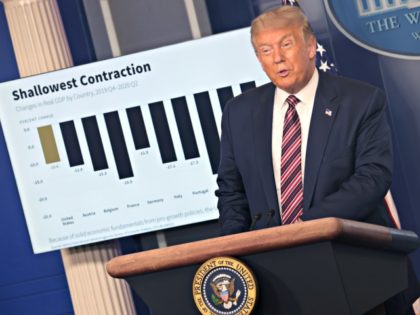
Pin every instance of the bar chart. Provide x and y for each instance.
(125, 157)
(139, 133)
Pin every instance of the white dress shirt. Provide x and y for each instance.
(304, 110)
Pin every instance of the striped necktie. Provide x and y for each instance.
(291, 169)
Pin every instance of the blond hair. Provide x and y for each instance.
(281, 17)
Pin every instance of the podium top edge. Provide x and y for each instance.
(326, 229)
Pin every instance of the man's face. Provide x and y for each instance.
(286, 57)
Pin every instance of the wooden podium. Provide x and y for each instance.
(326, 266)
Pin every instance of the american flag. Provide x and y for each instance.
(323, 60)
(324, 63)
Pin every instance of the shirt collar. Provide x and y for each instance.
(305, 95)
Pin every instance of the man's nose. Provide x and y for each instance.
(278, 55)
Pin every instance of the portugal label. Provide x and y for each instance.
(224, 286)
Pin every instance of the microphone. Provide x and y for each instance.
(254, 221)
(270, 215)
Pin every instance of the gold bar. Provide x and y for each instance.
(49, 146)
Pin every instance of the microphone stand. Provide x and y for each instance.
(254, 221)
(270, 214)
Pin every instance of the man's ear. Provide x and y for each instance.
(312, 47)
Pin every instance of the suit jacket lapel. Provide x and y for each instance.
(323, 115)
(263, 120)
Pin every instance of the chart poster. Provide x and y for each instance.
(127, 145)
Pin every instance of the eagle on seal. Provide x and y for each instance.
(223, 287)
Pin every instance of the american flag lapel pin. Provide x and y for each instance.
(328, 112)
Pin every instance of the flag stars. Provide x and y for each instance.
(320, 49)
(324, 66)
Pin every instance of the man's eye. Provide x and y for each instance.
(265, 51)
(286, 44)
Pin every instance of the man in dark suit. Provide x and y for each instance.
(305, 146)
(347, 168)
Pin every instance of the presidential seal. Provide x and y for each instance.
(224, 286)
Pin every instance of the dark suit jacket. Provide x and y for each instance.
(348, 161)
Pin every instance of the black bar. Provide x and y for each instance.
(94, 141)
(247, 86)
(224, 94)
(208, 123)
(163, 134)
(138, 129)
(119, 147)
(185, 128)
(71, 142)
